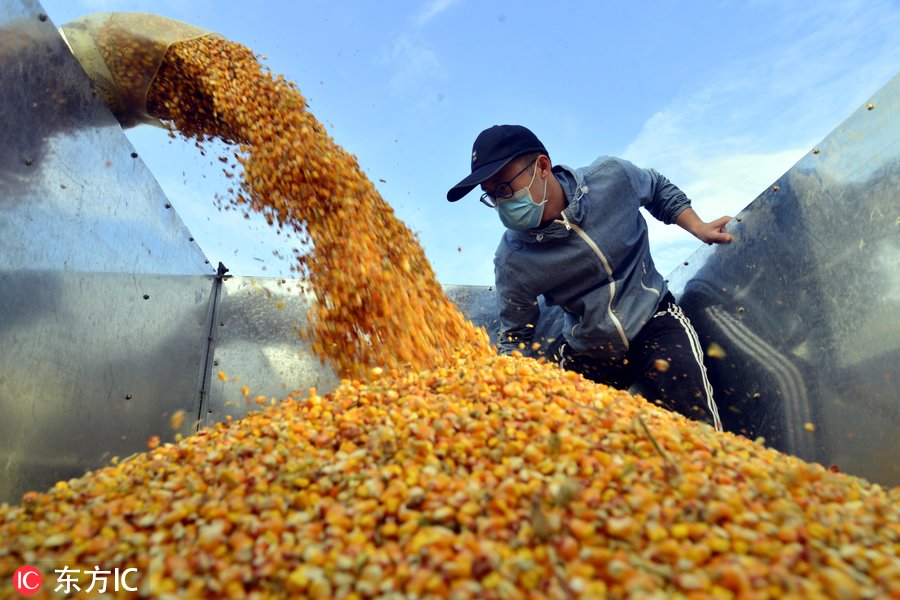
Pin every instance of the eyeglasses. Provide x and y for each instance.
(502, 191)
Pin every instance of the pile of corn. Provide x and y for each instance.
(470, 477)
(379, 303)
(498, 478)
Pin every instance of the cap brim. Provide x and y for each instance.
(477, 177)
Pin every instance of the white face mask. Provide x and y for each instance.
(521, 212)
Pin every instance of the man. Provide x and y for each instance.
(577, 238)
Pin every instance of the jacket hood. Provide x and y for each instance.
(572, 182)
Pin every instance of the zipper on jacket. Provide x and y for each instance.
(579, 193)
(649, 289)
(612, 283)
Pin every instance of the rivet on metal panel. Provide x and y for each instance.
(775, 188)
(740, 309)
(816, 150)
(42, 17)
(134, 155)
(29, 162)
(870, 106)
(128, 396)
(146, 296)
(739, 219)
(757, 395)
(685, 263)
(216, 363)
(221, 323)
(191, 239)
(168, 205)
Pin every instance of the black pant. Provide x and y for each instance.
(664, 364)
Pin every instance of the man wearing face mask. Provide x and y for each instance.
(577, 238)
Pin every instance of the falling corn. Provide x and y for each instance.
(177, 420)
(378, 301)
(715, 351)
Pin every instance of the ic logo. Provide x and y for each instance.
(27, 580)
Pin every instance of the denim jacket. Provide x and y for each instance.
(594, 261)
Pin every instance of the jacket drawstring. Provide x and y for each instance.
(580, 191)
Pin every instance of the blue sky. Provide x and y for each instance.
(722, 97)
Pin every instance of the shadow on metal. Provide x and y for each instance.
(804, 303)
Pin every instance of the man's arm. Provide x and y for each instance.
(518, 311)
(665, 201)
(710, 233)
(517, 323)
(659, 196)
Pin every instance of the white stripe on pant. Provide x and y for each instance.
(697, 352)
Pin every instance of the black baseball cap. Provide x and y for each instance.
(493, 149)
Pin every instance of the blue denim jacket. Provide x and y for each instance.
(594, 261)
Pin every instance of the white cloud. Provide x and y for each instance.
(413, 62)
(724, 185)
(431, 10)
(416, 66)
(789, 96)
(723, 143)
(416, 72)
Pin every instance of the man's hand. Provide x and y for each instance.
(709, 233)
(714, 232)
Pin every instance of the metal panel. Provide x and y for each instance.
(478, 303)
(805, 302)
(73, 193)
(91, 369)
(85, 233)
(257, 343)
